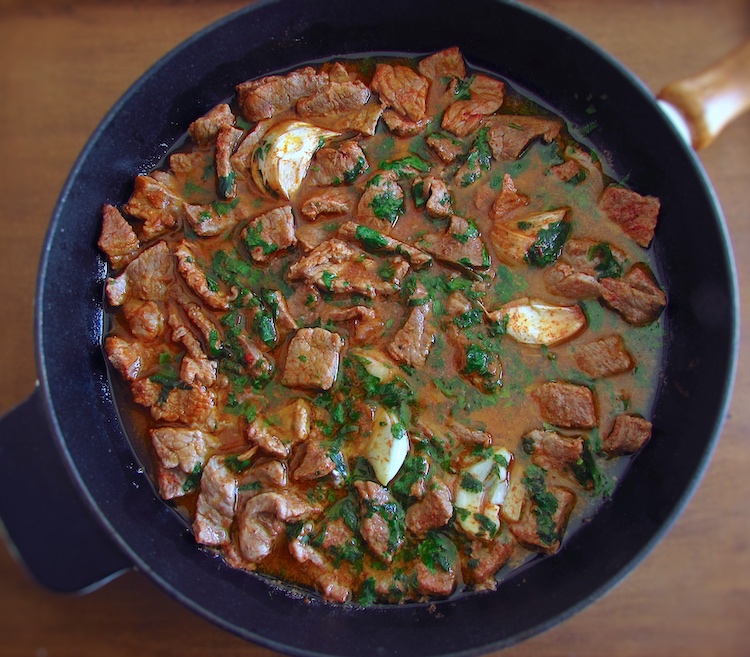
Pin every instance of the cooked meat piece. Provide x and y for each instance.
(280, 310)
(126, 357)
(434, 510)
(118, 239)
(566, 405)
(432, 193)
(445, 147)
(464, 116)
(301, 550)
(171, 482)
(310, 236)
(336, 98)
(365, 120)
(448, 63)
(509, 135)
(563, 280)
(553, 451)
(487, 559)
(259, 432)
(327, 202)
(201, 320)
(628, 435)
(412, 343)
(336, 534)
(313, 359)
(240, 159)
(182, 333)
(204, 130)
(439, 583)
(635, 296)
(382, 202)
(196, 279)
(257, 364)
(381, 520)
(207, 222)
(314, 462)
(198, 370)
(266, 473)
(460, 244)
(457, 304)
(337, 166)
(567, 171)
(192, 406)
(527, 531)
(336, 266)
(604, 357)
(467, 435)
(332, 588)
(264, 98)
(269, 233)
(375, 241)
(635, 214)
(145, 319)
(364, 320)
(149, 277)
(403, 127)
(403, 89)
(189, 162)
(226, 142)
(507, 201)
(214, 510)
(592, 257)
(182, 448)
(155, 202)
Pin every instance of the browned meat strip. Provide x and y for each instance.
(508, 201)
(198, 370)
(402, 126)
(364, 320)
(182, 448)
(460, 244)
(403, 89)
(588, 256)
(527, 530)
(448, 63)
(434, 510)
(264, 98)
(261, 433)
(635, 296)
(266, 472)
(226, 142)
(145, 319)
(563, 280)
(376, 241)
(204, 130)
(566, 405)
(467, 435)
(445, 147)
(333, 588)
(465, 116)
(488, 559)
(509, 135)
(171, 482)
(192, 406)
(628, 435)
(378, 512)
(269, 233)
(604, 357)
(567, 171)
(313, 359)
(314, 462)
(240, 159)
(336, 166)
(336, 98)
(182, 333)
(437, 583)
(635, 214)
(126, 357)
(214, 509)
(149, 277)
(196, 279)
(553, 451)
(327, 202)
(433, 193)
(207, 222)
(189, 162)
(412, 343)
(365, 120)
(118, 239)
(155, 202)
(382, 202)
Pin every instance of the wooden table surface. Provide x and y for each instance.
(64, 63)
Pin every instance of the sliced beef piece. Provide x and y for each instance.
(182, 333)
(377, 242)
(336, 534)
(259, 432)
(635, 214)
(381, 203)
(364, 120)
(335, 266)
(336, 98)
(263, 519)
(311, 236)
(189, 162)
(178, 447)
(171, 482)
(193, 406)
(401, 126)
(198, 370)
(301, 550)
(487, 559)
(200, 319)
(334, 587)
(196, 279)
(207, 222)
(149, 277)
(280, 310)
(437, 583)
(508, 201)
(448, 63)
(382, 520)
(566, 405)
(599, 259)
(269, 233)
(460, 244)
(313, 462)
(204, 130)
(118, 239)
(432, 193)
(337, 166)
(509, 135)
(264, 473)
(553, 451)
(445, 147)
(467, 435)
(313, 359)
(605, 357)
(214, 510)
(568, 171)
(365, 327)
(155, 202)
(527, 530)
(563, 280)
(145, 319)
(327, 203)
(412, 343)
(126, 357)
(226, 143)
(241, 158)
(635, 296)
(271, 95)
(403, 89)
(628, 435)
(464, 116)
(434, 510)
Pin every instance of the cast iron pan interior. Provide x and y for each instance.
(526, 49)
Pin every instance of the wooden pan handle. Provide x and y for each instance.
(713, 98)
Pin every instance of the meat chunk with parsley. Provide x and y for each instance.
(226, 142)
(485, 559)
(313, 359)
(605, 357)
(156, 203)
(412, 343)
(445, 147)
(401, 126)
(335, 98)
(118, 239)
(376, 242)
(432, 194)
(629, 433)
(403, 89)
(205, 129)
(271, 95)
(338, 166)
(509, 135)
(326, 203)
(433, 511)
(564, 281)
(382, 520)
(149, 277)
(448, 63)
(460, 244)
(465, 115)
(170, 400)
(198, 280)
(636, 296)
(182, 449)
(544, 518)
(635, 214)
(553, 451)
(269, 233)
(566, 405)
(381, 203)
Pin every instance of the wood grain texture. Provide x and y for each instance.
(64, 63)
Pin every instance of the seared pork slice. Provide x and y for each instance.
(312, 462)
(336, 98)
(435, 582)
(599, 259)
(460, 244)
(464, 116)
(487, 559)
(375, 241)
(189, 162)
(264, 473)
(196, 279)
(382, 202)
(126, 357)
(313, 359)
(445, 147)
(448, 63)
(271, 95)
(553, 451)
(226, 143)
(467, 435)
(508, 200)
(382, 519)
(403, 127)
(334, 586)
(412, 343)
(561, 279)
(636, 296)
(566, 405)
(568, 171)
(605, 357)
(240, 159)
(172, 482)
(364, 120)
(532, 535)
(155, 202)
(198, 370)
(434, 510)
(145, 319)
(403, 89)
(118, 239)
(204, 130)
(628, 435)
(509, 135)
(432, 194)
(337, 166)
(182, 333)
(207, 222)
(635, 214)
(365, 326)
(269, 233)
(260, 432)
(327, 203)
(178, 447)
(149, 277)
(193, 406)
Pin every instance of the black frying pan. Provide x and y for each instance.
(95, 498)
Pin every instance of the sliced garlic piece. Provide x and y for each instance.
(531, 321)
(513, 502)
(281, 160)
(388, 446)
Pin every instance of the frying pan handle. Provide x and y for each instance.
(46, 523)
(713, 98)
